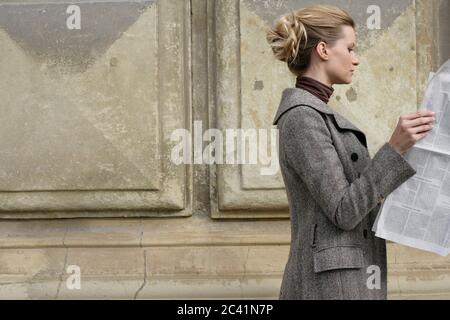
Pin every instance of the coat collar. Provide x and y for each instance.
(296, 97)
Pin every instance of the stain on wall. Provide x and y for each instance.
(41, 30)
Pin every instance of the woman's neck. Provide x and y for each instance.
(315, 87)
(318, 76)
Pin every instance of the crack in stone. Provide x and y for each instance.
(62, 273)
(244, 277)
(65, 262)
(145, 277)
(142, 233)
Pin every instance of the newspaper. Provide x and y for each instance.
(417, 214)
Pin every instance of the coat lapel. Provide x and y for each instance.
(294, 97)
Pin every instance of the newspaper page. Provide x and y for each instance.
(417, 214)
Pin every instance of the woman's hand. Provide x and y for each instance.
(410, 129)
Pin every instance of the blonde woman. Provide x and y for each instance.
(334, 188)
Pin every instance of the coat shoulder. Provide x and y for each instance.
(294, 97)
(301, 118)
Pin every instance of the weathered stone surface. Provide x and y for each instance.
(98, 138)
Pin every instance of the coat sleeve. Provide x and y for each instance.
(309, 150)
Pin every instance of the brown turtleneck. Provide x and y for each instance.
(317, 88)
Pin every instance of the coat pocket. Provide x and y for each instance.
(338, 257)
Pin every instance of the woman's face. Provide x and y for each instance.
(342, 58)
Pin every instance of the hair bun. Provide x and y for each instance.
(285, 37)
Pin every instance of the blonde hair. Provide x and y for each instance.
(296, 34)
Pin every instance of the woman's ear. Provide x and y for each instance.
(322, 50)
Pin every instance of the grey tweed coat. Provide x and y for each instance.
(335, 191)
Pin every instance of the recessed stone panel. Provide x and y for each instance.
(94, 91)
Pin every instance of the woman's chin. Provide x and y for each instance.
(345, 81)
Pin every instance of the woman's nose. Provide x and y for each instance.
(355, 59)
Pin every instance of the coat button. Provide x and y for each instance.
(365, 233)
(355, 157)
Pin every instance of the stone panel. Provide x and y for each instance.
(88, 113)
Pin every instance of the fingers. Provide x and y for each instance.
(421, 121)
(419, 114)
(421, 129)
(420, 136)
